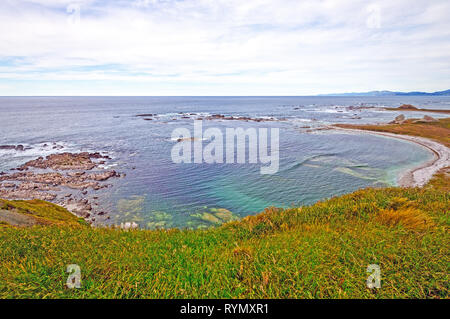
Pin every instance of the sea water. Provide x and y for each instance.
(314, 164)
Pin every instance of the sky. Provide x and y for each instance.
(222, 47)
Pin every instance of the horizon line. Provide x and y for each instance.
(343, 94)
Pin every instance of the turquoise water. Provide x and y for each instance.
(159, 193)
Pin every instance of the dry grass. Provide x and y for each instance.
(410, 218)
(409, 109)
(438, 131)
(441, 180)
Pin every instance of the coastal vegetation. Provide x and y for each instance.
(409, 107)
(317, 251)
(438, 130)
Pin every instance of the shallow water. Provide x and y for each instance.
(158, 193)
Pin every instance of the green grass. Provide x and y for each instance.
(320, 251)
(43, 212)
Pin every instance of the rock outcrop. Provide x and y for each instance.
(407, 107)
(12, 147)
(62, 178)
(426, 119)
(398, 120)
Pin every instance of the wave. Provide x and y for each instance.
(302, 162)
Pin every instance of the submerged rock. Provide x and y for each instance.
(12, 147)
(214, 216)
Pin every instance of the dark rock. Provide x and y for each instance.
(145, 115)
(407, 107)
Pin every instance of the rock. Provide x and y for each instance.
(426, 119)
(398, 120)
(429, 119)
(26, 194)
(8, 185)
(80, 208)
(103, 176)
(12, 147)
(129, 225)
(7, 147)
(76, 174)
(146, 115)
(407, 107)
(65, 161)
(216, 216)
(28, 183)
(187, 139)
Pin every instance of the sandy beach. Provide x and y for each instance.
(417, 176)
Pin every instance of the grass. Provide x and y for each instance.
(416, 110)
(438, 131)
(318, 251)
(43, 212)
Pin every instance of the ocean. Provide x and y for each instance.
(314, 164)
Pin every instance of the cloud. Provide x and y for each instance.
(219, 47)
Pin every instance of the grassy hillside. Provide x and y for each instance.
(319, 251)
(38, 212)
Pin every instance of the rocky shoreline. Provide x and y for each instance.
(220, 117)
(64, 179)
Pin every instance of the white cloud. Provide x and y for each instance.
(217, 46)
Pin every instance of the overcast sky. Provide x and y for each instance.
(222, 47)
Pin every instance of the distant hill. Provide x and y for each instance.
(390, 93)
